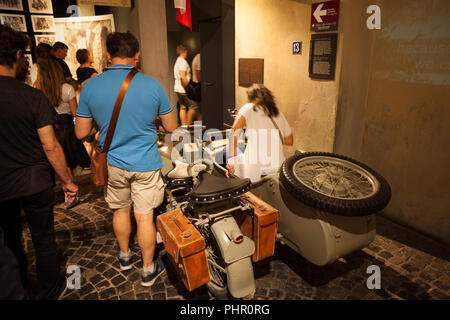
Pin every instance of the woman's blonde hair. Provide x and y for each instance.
(50, 79)
(262, 97)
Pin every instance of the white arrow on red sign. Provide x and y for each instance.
(319, 13)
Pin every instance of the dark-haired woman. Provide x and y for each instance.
(267, 131)
(42, 51)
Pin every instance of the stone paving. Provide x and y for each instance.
(412, 266)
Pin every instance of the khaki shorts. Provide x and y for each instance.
(145, 190)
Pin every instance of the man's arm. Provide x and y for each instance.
(169, 122)
(184, 81)
(55, 155)
(84, 127)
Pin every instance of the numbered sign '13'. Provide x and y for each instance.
(297, 47)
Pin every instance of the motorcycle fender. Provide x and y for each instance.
(240, 280)
(231, 251)
(237, 256)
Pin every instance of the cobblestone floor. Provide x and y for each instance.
(412, 266)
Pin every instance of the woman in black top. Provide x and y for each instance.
(85, 71)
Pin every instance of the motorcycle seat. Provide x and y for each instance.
(212, 189)
(173, 183)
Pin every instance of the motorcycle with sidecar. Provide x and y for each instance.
(322, 205)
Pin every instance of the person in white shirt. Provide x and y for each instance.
(267, 131)
(182, 74)
(196, 74)
(196, 78)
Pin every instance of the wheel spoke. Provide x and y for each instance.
(335, 177)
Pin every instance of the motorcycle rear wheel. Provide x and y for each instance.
(217, 286)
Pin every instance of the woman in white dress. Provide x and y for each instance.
(267, 131)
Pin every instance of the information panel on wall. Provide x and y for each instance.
(251, 71)
(322, 58)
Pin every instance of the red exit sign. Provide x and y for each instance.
(325, 16)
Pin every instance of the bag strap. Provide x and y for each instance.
(116, 111)
(279, 131)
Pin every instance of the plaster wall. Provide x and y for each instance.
(354, 82)
(86, 10)
(266, 29)
(153, 40)
(125, 20)
(147, 22)
(397, 121)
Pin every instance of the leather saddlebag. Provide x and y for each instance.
(185, 247)
(264, 222)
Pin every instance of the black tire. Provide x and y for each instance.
(373, 203)
(219, 292)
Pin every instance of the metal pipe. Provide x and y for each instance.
(215, 215)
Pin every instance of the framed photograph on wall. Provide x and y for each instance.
(11, 5)
(40, 6)
(15, 21)
(85, 33)
(45, 38)
(43, 23)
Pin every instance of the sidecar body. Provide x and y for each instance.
(318, 236)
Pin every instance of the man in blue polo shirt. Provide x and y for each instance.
(134, 162)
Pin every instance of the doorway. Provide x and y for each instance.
(213, 37)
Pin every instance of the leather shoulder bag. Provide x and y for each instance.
(99, 165)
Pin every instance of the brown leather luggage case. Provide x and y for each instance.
(265, 225)
(186, 248)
